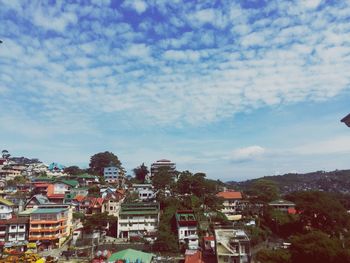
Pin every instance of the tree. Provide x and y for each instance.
(273, 256)
(104, 159)
(317, 247)
(73, 170)
(321, 210)
(263, 191)
(163, 178)
(141, 172)
(5, 154)
(94, 191)
(97, 222)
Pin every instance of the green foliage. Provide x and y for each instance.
(141, 172)
(73, 170)
(94, 191)
(97, 221)
(131, 197)
(273, 256)
(263, 191)
(321, 210)
(78, 215)
(163, 179)
(17, 180)
(257, 234)
(103, 159)
(317, 247)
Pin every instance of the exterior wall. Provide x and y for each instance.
(111, 174)
(137, 224)
(232, 209)
(5, 211)
(60, 188)
(190, 233)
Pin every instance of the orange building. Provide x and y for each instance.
(49, 226)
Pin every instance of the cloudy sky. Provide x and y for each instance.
(235, 89)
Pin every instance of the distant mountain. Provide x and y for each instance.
(335, 181)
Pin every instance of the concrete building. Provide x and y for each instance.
(6, 209)
(187, 229)
(14, 230)
(145, 191)
(50, 226)
(232, 246)
(111, 174)
(283, 206)
(138, 219)
(231, 204)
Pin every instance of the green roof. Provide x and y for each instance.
(142, 212)
(72, 183)
(48, 210)
(6, 202)
(132, 255)
(139, 208)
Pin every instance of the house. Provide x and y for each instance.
(145, 191)
(231, 204)
(37, 200)
(57, 190)
(187, 229)
(111, 174)
(50, 226)
(131, 256)
(138, 220)
(6, 209)
(283, 206)
(14, 231)
(56, 168)
(209, 244)
(85, 179)
(232, 245)
(92, 205)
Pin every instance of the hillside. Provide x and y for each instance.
(334, 181)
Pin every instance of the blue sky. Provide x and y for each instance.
(235, 89)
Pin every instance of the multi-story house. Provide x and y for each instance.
(14, 231)
(50, 226)
(232, 207)
(161, 164)
(56, 191)
(37, 200)
(111, 174)
(232, 245)
(6, 209)
(187, 229)
(138, 220)
(145, 191)
(283, 206)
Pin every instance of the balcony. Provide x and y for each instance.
(39, 221)
(47, 229)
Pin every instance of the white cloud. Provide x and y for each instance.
(249, 153)
(138, 5)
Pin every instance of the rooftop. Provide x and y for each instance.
(48, 210)
(281, 202)
(6, 202)
(230, 195)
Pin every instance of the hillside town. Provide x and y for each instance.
(53, 213)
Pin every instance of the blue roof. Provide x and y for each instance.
(56, 166)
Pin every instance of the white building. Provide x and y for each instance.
(145, 191)
(6, 208)
(111, 174)
(232, 246)
(138, 220)
(161, 164)
(231, 204)
(187, 229)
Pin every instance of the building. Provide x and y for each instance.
(232, 208)
(161, 164)
(145, 191)
(37, 200)
(283, 206)
(346, 120)
(6, 209)
(138, 220)
(187, 229)
(232, 245)
(50, 227)
(14, 231)
(111, 174)
(193, 256)
(57, 190)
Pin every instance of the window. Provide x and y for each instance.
(13, 227)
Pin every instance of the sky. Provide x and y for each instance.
(234, 89)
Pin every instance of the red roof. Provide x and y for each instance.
(79, 198)
(291, 210)
(230, 195)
